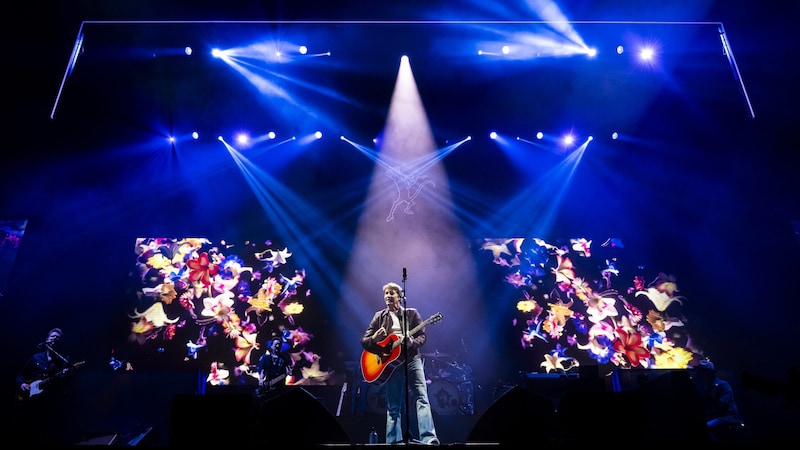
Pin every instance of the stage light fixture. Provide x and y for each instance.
(646, 54)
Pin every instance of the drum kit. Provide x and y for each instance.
(450, 388)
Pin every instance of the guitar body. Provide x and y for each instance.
(377, 368)
(37, 387)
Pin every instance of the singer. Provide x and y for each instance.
(42, 384)
(388, 344)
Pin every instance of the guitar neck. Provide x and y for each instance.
(414, 330)
(276, 380)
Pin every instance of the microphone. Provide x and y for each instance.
(405, 275)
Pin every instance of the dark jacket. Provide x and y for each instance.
(51, 375)
(383, 319)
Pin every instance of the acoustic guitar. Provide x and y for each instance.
(376, 368)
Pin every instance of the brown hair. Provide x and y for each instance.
(393, 286)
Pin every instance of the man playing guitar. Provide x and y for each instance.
(274, 367)
(394, 334)
(43, 393)
(46, 371)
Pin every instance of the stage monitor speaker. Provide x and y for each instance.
(297, 419)
(209, 420)
(583, 416)
(672, 402)
(518, 415)
(294, 418)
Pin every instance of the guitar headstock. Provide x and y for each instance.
(436, 318)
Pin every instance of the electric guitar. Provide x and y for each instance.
(269, 384)
(268, 387)
(38, 386)
(341, 398)
(378, 367)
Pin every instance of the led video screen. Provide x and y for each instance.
(213, 306)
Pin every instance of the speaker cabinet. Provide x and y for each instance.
(210, 420)
(518, 415)
(292, 418)
(295, 418)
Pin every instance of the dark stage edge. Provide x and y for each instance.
(464, 445)
(470, 445)
(412, 444)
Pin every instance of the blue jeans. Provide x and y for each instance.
(418, 394)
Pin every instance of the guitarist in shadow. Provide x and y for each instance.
(385, 351)
(274, 367)
(43, 393)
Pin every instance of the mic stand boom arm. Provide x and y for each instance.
(60, 356)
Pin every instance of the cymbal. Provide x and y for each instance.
(436, 355)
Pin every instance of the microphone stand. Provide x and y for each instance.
(406, 432)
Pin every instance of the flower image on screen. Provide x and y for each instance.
(579, 303)
(214, 306)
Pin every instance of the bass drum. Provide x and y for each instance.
(444, 397)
